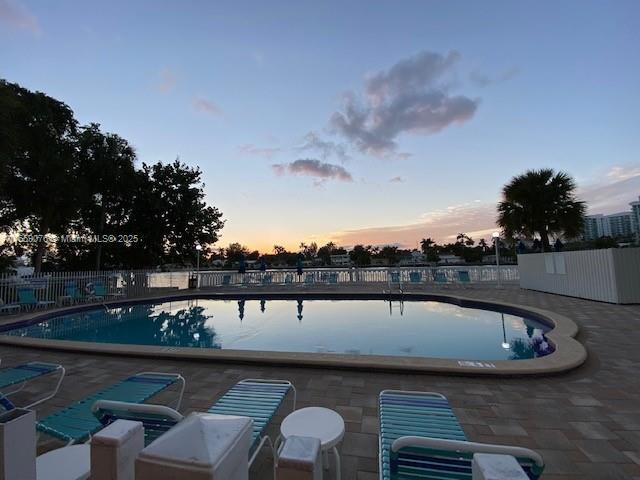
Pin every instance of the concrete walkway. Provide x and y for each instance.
(585, 423)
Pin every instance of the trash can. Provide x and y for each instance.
(193, 282)
(203, 446)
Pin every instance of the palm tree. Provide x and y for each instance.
(541, 202)
(426, 244)
(483, 244)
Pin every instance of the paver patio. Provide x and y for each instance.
(585, 423)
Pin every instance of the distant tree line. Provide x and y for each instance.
(63, 186)
(359, 255)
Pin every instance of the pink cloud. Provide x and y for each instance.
(313, 168)
(266, 152)
(207, 106)
(168, 80)
(476, 219)
(613, 192)
(18, 17)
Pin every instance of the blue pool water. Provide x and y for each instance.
(367, 327)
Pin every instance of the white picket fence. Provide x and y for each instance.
(55, 287)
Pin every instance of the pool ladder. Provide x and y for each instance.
(400, 302)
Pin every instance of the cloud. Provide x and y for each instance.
(396, 180)
(483, 80)
(18, 17)
(412, 96)
(313, 168)
(266, 152)
(612, 192)
(476, 219)
(168, 80)
(206, 106)
(325, 148)
(618, 172)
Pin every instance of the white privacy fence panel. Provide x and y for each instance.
(608, 275)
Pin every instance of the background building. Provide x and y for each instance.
(635, 209)
(615, 225)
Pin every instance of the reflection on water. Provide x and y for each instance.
(139, 324)
(371, 327)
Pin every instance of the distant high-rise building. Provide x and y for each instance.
(635, 209)
(621, 224)
(616, 225)
(595, 227)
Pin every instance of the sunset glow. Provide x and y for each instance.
(309, 129)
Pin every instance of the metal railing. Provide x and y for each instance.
(63, 288)
(348, 275)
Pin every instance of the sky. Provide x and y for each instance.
(352, 121)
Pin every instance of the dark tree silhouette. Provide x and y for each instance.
(541, 202)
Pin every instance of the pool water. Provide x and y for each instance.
(363, 327)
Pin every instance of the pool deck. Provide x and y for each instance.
(585, 423)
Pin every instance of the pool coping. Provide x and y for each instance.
(568, 354)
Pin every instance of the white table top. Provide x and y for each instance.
(318, 422)
(66, 463)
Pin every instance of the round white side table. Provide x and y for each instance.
(66, 463)
(318, 422)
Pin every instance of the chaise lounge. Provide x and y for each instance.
(19, 376)
(421, 438)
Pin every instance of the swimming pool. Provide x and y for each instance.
(358, 327)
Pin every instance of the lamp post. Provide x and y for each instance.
(198, 248)
(505, 344)
(496, 239)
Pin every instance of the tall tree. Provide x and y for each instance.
(108, 173)
(360, 255)
(541, 202)
(236, 251)
(171, 215)
(39, 164)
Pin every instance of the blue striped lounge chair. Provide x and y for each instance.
(101, 291)
(258, 399)
(421, 438)
(288, 279)
(415, 277)
(440, 278)
(226, 280)
(27, 298)
(9, 307)
(14, 379)
(309, 279)
(267, 279)
(463, 277)
(394, 279)
(72, 293)
(77, 422)
(332, 278)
